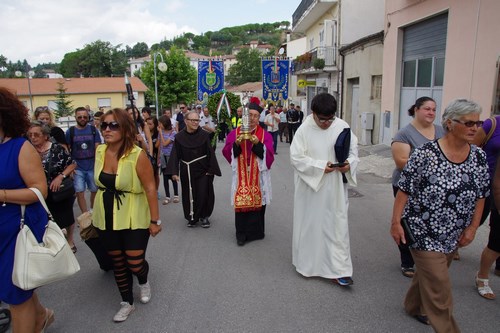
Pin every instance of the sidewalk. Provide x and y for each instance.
(376, 159)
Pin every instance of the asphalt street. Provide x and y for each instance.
(203, 282)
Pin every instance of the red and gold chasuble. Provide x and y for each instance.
(248, 196)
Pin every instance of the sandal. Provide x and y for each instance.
(166, 201)
(49, 319)
(456, 256)
(176, 199)
(484, 289)
(408, 271)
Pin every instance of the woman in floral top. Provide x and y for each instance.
(442, 191)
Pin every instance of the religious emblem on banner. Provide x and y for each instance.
(275, 73)
(210, 77)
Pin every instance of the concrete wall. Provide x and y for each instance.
(472, 51)
(360, 19)
(362, 63)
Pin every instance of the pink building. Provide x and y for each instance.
(444, 49)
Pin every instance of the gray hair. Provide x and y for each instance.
(44, 128)
(190, 113)
(458, 108)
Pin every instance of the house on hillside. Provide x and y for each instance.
(444, 49)
(107, 92)
(253, 45)
(246, 90)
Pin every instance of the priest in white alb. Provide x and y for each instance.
(320, 226)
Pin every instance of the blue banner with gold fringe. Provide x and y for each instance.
(210, 78)
(275, 74)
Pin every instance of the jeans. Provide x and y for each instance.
(275, 139)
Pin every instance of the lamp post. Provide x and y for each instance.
(29, 74)
(162, 66)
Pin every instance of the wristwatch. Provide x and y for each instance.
(64, 176)
(157, 222)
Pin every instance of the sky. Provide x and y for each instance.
(42, 31)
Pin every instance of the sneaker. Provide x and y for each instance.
(145, 292)
(344, 281)
(205, 223)
(166, 201)
(124, 312)
(191, 224)
(176, 199)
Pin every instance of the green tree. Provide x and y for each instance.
(64, 104)
(177, 84)
(70, 65)
(140, 50)
(247, 69)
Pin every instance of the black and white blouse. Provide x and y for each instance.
(442, 195)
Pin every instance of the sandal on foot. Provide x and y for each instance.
(484, 289)
(49, 319)
(408, 271)
(423, 319)
(456, 256)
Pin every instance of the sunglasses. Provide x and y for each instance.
(470, 123)
(112, 125)
(82, 117)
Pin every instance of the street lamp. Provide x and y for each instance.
(29, 74)
(162, 66)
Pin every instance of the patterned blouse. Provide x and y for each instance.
(442, 195)
(59, 160)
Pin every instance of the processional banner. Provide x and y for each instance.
(275, 73)
(210, 78)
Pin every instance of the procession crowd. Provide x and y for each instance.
(442, 184)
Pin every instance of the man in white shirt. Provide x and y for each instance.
(207, 124)
(272, 121)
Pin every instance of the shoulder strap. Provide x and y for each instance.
(42, 201)
(491, 131)
(71, 135)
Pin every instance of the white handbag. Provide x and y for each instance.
(37, 264)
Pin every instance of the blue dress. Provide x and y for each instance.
(10, 217)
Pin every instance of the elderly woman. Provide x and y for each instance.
(419, 131)
(441, 198)
(58, 165)
(126, 208)
(20, 169)
(44, 115)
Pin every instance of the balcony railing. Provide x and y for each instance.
(306, 61)
(304, 5)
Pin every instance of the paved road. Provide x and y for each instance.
(203, 282)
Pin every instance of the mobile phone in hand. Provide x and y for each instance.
(337, 165)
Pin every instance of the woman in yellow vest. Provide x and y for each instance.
(126, 208)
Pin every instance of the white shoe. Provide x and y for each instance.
(124, 312)
(145, 292)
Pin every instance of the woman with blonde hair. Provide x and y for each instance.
(126, 207)
(45, 116)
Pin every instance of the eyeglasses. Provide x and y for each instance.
(325, 121)
(112, 125)
(194, 120)
(470, 123)
(34, 135)
(182, 107)
(82, 117)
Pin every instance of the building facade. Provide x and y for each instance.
(444, 49)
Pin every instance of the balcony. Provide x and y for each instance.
(309, 12)
(305, 63)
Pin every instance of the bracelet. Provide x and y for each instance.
(4, 198)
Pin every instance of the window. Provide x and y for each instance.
(104, 102)
(439, 72)
(424, 75)
(322, 38)
(409, 68)
(376, 87)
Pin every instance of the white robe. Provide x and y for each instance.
(320, 229)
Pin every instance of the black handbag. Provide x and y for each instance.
(67, 188)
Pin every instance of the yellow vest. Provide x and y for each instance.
(236, 122)
(134, 208)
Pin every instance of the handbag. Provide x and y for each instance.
(37, 264)
(410, 238)
(67, 188)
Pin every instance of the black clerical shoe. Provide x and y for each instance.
(240, 242)
(205, 223)
(191, 224)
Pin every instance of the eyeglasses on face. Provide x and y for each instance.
(112, 125)
(34, 135)
(182, 107)
(325, 121)
(82, 117)
(469, 123)
(194, 120)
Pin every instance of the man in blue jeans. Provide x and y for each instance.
(82, 140)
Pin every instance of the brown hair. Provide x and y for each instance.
(14, 118)
(127, 130)
(43, 109)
